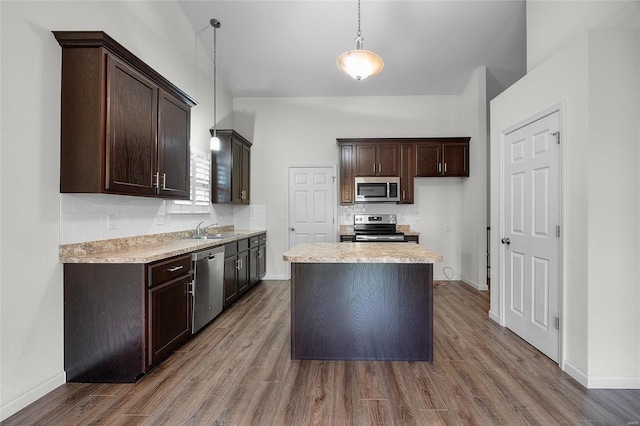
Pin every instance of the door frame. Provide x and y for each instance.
(561, 108)
(334, 168)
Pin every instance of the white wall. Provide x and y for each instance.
(597, 76)
(31, 337)
(475, 188)
(553, 25)
(295, 131)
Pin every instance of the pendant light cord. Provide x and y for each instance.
(359, 33)
(215, 24)
(215, 93)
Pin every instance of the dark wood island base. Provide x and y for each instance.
(362, 311)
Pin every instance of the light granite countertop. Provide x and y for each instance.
(361, 253)
(144, 249)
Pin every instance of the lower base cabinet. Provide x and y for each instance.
(244, 266)
(121, 319)
(236, 270)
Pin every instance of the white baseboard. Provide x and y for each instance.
(12, 407)
(275, 277)
(578, 375)
(495, 317)
(602, 382)
(481, 287)
(613, 382)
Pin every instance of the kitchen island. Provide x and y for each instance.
(362, 301)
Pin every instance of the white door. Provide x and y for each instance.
(311, 205)
(531, 232)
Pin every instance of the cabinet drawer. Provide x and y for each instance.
(254, 241)
(263, 238)
(166, 270)
(243, 245)
(230, 249)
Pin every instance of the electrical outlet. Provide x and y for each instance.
(111, 221)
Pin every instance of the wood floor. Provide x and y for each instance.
(238, 372)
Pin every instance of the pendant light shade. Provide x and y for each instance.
(214, 142)
(360, 63)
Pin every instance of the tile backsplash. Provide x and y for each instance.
(94, 217)
(407, 214)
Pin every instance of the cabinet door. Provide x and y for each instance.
(456, 159)
(428, 157)
(406, 174)
(346, 174)
(230, 279)
(262, 261)
(131, 130)
(236, 172)
(387, 159)
(246, 168)
(174, 153)
(254, 268)
(366, 162)
(243, 272)
(169, 317)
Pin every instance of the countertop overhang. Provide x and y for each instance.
(113, 251)
(408, 252)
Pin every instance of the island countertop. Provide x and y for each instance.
(361, 253)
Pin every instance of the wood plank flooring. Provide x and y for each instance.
(237, 371)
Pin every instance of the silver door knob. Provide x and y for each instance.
(506, 241)
(292, 229)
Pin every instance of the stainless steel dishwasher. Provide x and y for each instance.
(208, 286)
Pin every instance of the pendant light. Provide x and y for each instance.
(360, 63)
(214, 142)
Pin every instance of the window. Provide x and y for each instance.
(200, 186)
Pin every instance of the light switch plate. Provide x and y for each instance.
(111, 221)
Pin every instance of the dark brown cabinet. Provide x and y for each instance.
(236, 270)
(347, 190)
(169, 306)
(376, 159)
(404, 157)
(121, 319)
(443, 158)
(230, 169)
(124, 128)
(407, 173)
(257, 258)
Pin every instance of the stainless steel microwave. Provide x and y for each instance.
(377, 189)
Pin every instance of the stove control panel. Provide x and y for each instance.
(366, 219)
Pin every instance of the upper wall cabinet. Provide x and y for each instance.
(376, 159)
(442, 157)
(230, 167)
(125, 129)
(404, 157)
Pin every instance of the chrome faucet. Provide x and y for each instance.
(201, 230)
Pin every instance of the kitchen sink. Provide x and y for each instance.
(214, 236)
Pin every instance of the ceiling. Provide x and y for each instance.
(283, 48)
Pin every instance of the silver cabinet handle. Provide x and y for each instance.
(403, 195)
(164, 181)
(379, 168)
(238, 264)
(445, 167)
(439, 167)
(177, 268)
(156, 182)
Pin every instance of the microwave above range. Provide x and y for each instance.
(377, 189)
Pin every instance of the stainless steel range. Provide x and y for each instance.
(376, 228)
